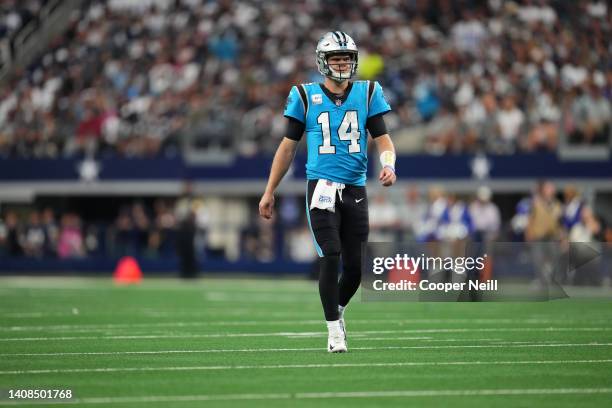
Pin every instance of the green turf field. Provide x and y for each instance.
(230, 343)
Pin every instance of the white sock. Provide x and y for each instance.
(333, 327)
(341, 311)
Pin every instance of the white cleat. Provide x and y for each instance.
(336, 344)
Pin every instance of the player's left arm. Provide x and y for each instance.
(377, 108)
(385, 147)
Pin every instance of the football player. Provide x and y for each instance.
(335, 116)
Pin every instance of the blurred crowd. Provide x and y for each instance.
(27, 232)
(40, 234)
(142, 77)
(15, 15)
(561, 236)
(229, 229)
(440, 216)
(225, 229)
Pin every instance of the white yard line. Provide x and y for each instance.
(495, 343)
(210, 284)
(429, 339)
(259, 297)
(204, 314)
(450, 340)
(295, 349)
(326, 395)
(293, 366)
(311, 334)
(321, 334)
(454, 393)
(98, 327)
(307, 322)
(223, 311)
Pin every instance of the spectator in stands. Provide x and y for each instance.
(124, 234)
(3, 237)
(591, 114)
(544, 232)
(154, 243)
(581, 232)
(32, 239)
(51, 232)
(443, 136)
(165, 223)
(384, 219)
(485, 216)
(578, 219)
(487, 224)
(534, 13)
(520, 220)
(510, 122)
(412, 212)
(186, 233)
(301, 246)
(91, 241)
(471, 116)
(572, 208)
(469, 33)
(487, 128)
(545, 117)
(606, 239)
(13, 231)
(210, 72)
(70, 242)
(457, 225)
(259, 241)
(142, 226)
(602, 115)
(429, 230)
(545, 215)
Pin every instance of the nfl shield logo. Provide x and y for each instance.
(338, 102)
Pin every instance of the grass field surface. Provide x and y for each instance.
(241, 342)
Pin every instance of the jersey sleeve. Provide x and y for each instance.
(294, 108)
(377, 102)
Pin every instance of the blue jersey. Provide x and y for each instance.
(336, 131)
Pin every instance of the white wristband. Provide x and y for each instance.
(387, 159)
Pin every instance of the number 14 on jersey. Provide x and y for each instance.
(348, 131)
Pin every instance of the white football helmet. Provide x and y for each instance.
(336, 42)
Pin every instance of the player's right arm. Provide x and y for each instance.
(282, 160)
(295, 112)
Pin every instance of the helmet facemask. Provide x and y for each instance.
(331, 69)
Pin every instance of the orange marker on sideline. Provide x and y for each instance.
(127, 271)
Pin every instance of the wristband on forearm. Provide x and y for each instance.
(387, 159)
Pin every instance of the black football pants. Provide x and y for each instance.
(339, 235)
